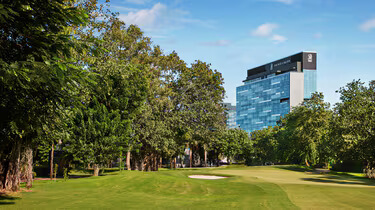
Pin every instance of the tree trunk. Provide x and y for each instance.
(128, 160)
(161, 162)
(96, 170)
(133, 163)
(217, 160)
(120, 162)
(148, 162)
(175, 163)
(29, 167)
(156, 163)
(2, 181)
(51, 162)
(12, 176)
(141, 164)
(307, 162)
(191, 157)
(153, 162)
(205, 158)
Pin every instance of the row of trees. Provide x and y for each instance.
(314, 133)
(77, 76)
(73, 74)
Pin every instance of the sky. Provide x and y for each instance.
(234, 36)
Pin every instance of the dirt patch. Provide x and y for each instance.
(207, 177)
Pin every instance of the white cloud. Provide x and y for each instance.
(160, 17)
(217, 43)
(265, 29)
(288, 2)
(278, 38)
(285, 1)
(137, 1)
(368, 25)
(318, 35)
(121, 8)
(146, 18)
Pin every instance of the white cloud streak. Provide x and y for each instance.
(278, 38)
(285, 1)
(146, 18)
(121, 8)
(160, 17)
(368, 25)
(265, 29)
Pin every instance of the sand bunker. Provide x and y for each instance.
(206, 177)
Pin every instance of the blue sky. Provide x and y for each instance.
(241, 34)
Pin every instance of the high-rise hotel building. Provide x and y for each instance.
(271, 90)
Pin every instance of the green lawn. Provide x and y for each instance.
(247, 187)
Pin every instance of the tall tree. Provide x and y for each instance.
(305, 126)
(94, 135)
(265, 144)
(37, 73)
(234, 141)
(353, 134)
(200, 94)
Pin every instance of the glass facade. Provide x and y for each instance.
(231, 119)
(260, 103)
(309, 82)
(230, 112)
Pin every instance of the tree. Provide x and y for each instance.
(265, 144)
(353, 134)
(200, 93)
(234, 141)
(304, 129)
(37, 74)
(94, 135)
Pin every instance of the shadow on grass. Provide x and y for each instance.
(340, 180)
(7, 200)
(73, 176)
(324, 176)
(296, 168)
(85, 173)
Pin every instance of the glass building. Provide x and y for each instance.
(271, 90)
(230, 112)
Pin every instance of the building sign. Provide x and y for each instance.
(309, 58)
(309, 61)
(280, 63)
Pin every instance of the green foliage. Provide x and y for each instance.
(265, 145)
(235, 143)
(56, 166)
(353, 136)
(304, 129)
(66, 175)
(94, 134)
(38, 75)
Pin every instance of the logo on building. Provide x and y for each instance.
(282, 63)
(309, 58)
